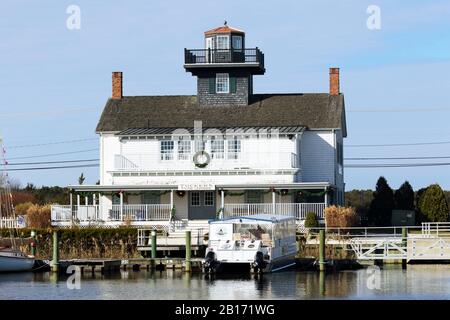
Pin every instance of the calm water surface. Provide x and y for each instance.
(417, 282)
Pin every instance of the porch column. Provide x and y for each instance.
(326, 197)
(71, 199)
(78, 200)
(86, 202)
(121, 205)
(222, 203)
(94, 201)
(171, 204)
(273, 202)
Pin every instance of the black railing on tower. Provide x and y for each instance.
(253, 56)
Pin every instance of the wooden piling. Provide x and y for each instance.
(153, 256)
(33, 243)
(188, 251)
(55, 261)
(322, 250)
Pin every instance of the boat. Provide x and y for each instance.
(262, 242)
(15, 261)
(11, 259)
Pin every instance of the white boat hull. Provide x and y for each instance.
(12, 262)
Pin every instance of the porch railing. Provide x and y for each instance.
(60, 213)
(200, 56)
(140, 212)
(297, 210)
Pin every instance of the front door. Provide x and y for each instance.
(202, 205)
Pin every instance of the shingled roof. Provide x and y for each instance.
(310, 110)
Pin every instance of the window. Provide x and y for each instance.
(254, 196)
(223, 43)
(167, 150)
(234, 148)
(195, 199)
(200, 145)
(209, 198)
(184, 149)
(237, 43)
(217, 149)
(222, 83)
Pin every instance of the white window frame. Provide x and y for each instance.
(222, 83)
(218, 149)
(167, 149)
(184, 149)
(234, 148)
(220, 46)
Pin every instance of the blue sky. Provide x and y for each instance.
(54, 81)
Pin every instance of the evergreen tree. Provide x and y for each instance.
(433, 204)
(404, 197)
(380, 213)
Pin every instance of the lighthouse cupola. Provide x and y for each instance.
(224, 67)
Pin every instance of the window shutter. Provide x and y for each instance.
(212, 85)
(232, 84)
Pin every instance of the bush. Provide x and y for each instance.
(19, 197)
(433, 204)
(39, 217)
(311, 220)
(22, 209)
(340, 216)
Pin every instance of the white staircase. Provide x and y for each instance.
(198, 230)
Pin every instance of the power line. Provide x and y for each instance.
(52, 154)
(50, 162)
(396, 144)
(370, 110)
(51, 143)
(51, 168)
(397, 158)
(397, 165)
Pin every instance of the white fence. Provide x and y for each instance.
(297, 210)
(140, 212)
(67, 213)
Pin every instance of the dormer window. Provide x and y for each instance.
(222, 83)
(223, 42)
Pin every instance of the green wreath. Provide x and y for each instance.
(197, 155)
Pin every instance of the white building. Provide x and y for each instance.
(177, 160)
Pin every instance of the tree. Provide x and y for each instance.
(380, 212)
(433, 204)
(404, 197)
(81, 179)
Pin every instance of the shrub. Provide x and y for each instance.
(433, 204)
(39, 217)
(340, 216)
(22, 209)
(311, 220)
(380, 213)
(19, 197)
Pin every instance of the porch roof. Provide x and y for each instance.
(263, 186)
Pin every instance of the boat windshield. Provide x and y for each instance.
(244, 231)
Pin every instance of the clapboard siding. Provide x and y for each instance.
(318, 156)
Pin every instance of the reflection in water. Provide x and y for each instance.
(417, 282)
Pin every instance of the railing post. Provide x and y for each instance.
(33, 243)
(404, 245)
(188, 251)
(273, 202)
(222, 203)
(121, 205)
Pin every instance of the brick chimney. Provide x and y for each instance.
(117, 85)
(334, 81)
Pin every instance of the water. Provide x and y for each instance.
(417, 282)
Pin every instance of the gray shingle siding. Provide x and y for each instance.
(240, 98)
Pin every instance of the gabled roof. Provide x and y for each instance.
(309, 110)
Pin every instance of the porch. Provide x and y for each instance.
(167, 206)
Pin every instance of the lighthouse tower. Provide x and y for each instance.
(224, 67)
